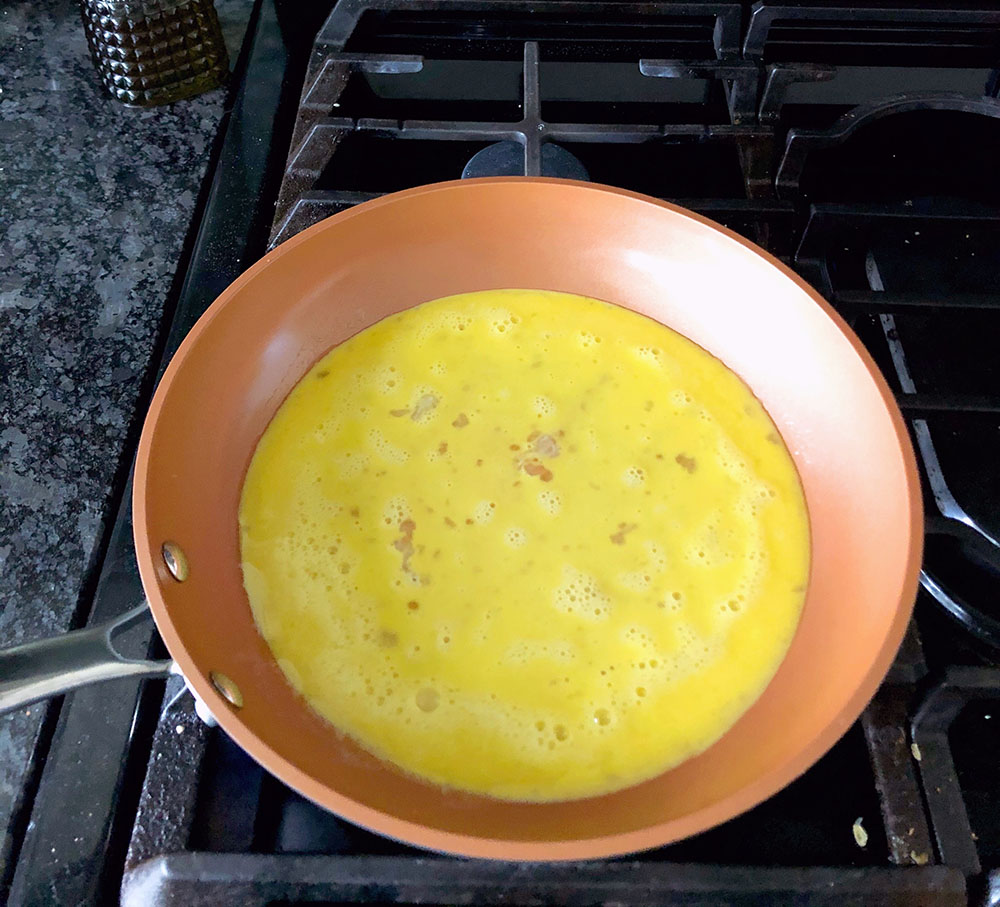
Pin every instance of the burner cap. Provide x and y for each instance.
(507, 159)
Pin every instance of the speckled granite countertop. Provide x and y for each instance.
(95, 202)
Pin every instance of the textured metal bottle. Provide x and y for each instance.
(151, 52)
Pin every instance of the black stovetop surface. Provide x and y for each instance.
(859, 147)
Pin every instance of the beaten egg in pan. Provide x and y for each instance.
(525, 544)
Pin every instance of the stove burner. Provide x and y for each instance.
(507, 159)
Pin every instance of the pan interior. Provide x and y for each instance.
(829, 403)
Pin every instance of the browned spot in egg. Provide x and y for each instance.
(413, 605)
(479, 462)
(468, 522)
(648, 405)
(323, 374)
(355, 512)
(443, 447)
(398, 412)
(404, 544)
(773, 438)
(448, 521)
(659, 456)
(690, 464)
(515, 446)
(618, 538)
(534, 467)
(424, 405)
(387, 639)
(544, 446)
(461, 421)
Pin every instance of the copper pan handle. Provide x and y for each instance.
(50, 667)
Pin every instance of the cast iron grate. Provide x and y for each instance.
(821, 58)
(422, 86)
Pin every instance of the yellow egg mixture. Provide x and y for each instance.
(525, 544)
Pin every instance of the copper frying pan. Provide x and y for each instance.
(248, 350)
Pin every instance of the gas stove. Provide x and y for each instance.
(856, 144)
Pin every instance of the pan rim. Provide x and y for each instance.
(457, 844)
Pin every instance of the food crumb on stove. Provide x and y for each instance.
(915, 749)
(919, 858)
(179, 728)
(860, 835)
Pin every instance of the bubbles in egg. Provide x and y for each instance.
(580, 593)
(550, 502)
(515, 537)
(385, 449)
(483, 512)
(633, 477)
(543, 406)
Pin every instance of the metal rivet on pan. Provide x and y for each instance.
(175, 560)
(226, 688)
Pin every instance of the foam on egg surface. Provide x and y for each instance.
(525, 544)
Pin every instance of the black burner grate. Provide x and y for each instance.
(497, 81)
